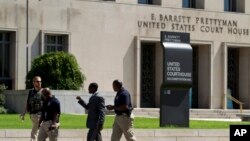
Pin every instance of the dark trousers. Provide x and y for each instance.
(94, 135)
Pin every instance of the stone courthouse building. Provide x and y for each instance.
(121, 39)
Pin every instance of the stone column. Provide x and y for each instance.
(214, 5)
(247, 7)
(172, 3)
(127, 1)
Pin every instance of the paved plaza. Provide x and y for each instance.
(141, 134)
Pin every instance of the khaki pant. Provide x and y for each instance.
(44, 132)
(35, 121)
(123, 124)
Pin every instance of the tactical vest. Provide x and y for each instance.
(35, 101)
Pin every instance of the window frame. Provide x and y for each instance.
(52, 45)
(65, 47)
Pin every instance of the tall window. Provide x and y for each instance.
(55, 43)
(188, 3)
(4, 54)
(230, 5)
(145, 1)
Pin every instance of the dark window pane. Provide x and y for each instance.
(230, 5)
(145, 1)
(188, 3)
(1, 36)
(6, 61)
(226, 5)
(1, 54)
(4, 54)
(185, 4)
(59, 40)
(192, 3)
(1, 62)
(233, 5)
(47, 49)
(7, 37)
(47, 39)
(53, 39)
(53, 48)
(142, 1)
(59, 48)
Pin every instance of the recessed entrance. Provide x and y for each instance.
(152, 76)
(238, 75)
(148, 75)
(233, 73)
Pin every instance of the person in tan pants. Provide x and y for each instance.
(124, 118)
(33, 106)
(49, 121)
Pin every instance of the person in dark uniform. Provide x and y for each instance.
(49, 121)
(124, 118)
(34, 105)
(96, 113)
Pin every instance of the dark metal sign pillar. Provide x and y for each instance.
(177, 79)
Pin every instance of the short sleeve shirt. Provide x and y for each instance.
(122, 98)
(50, 108)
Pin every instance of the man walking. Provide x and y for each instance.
(96, 113)
(34, 106)
(49, 121)
(124, 117)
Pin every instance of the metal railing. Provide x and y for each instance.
(236, 101)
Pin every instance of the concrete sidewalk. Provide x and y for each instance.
(141, 134)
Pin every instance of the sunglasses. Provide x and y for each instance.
(37, 81)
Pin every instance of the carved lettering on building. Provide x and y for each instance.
(192, 24)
